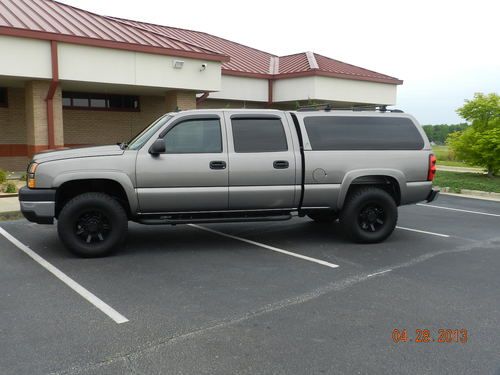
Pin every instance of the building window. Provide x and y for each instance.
(100, 102)
(3, 97)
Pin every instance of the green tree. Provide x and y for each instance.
(438, 133)
(479, 144)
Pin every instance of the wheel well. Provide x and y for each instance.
(387, 183)
(71, 189)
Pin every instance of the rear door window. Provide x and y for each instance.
(362, 133)
(258, 135)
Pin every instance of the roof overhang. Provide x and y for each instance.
(310, 73)
(42, 35)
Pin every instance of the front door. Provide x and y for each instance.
(262, 161)
(192, 173)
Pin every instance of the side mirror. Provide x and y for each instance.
(157, 147)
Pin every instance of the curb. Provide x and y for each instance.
(479, 194)
(11, 215)
(470, 196)
(9, 195)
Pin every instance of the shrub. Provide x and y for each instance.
(10, 187)
(3, 176)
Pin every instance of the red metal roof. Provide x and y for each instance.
(50, 20)
(243, 59)
(294, 63)
(328, 65)
(47, 19)
(248, 61)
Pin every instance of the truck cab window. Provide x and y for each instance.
(258, 135)
(194, 136)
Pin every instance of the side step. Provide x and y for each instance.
(183, 219)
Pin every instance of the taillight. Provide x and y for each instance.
(432, 167)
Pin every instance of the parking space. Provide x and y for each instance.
(279, 297)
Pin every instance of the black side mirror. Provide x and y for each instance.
(157, 147)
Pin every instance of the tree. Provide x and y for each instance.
(438, 133)
(479, 144)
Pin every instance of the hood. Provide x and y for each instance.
(82, 152)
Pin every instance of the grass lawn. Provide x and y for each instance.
(457, 181)
(445, 157)
(453, 163)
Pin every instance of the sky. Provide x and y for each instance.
(445, 51)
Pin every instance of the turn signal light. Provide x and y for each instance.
(30, 178)
(31, 182)
(432, 167)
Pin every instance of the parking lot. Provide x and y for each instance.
(257, 298)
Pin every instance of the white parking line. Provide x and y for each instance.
(457, 209)
(423, 231)
(90, 297)
(378, 273)
(272, 248)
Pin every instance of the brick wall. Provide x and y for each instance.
(108, 127)
(14, 163)
(182, 100)
(12, 118)
(13, 130)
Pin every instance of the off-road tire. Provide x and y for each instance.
(369, 215)
(92, 225)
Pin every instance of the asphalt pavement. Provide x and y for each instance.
(289, 297)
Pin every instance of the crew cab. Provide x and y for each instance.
(207, 166)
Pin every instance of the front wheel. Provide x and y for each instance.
(92, 225)
(369, 215)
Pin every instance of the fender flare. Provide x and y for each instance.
(112, 175)
(352, 175)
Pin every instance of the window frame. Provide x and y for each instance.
(72, 95)
(258, 117)
(5, 104)
(183, 120)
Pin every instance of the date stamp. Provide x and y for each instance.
(424, 335)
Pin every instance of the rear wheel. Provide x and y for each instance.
(369, 215)
(92, 225)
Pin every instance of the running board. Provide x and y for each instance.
(196, 220)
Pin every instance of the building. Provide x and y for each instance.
(69, 77)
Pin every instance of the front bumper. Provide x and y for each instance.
(38, 205)
(433, 194)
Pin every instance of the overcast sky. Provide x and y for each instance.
(443, 50)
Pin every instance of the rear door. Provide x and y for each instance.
(192, 173)
(262, 161)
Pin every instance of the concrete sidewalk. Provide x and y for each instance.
(9, 204)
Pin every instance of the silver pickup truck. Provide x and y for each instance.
(207, 166)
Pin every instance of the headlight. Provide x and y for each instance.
(30, 177)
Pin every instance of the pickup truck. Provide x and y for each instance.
(208, 166)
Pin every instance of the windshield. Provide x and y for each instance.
(138, 141)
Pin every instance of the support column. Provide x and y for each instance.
(180, 100)
(37, 129)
